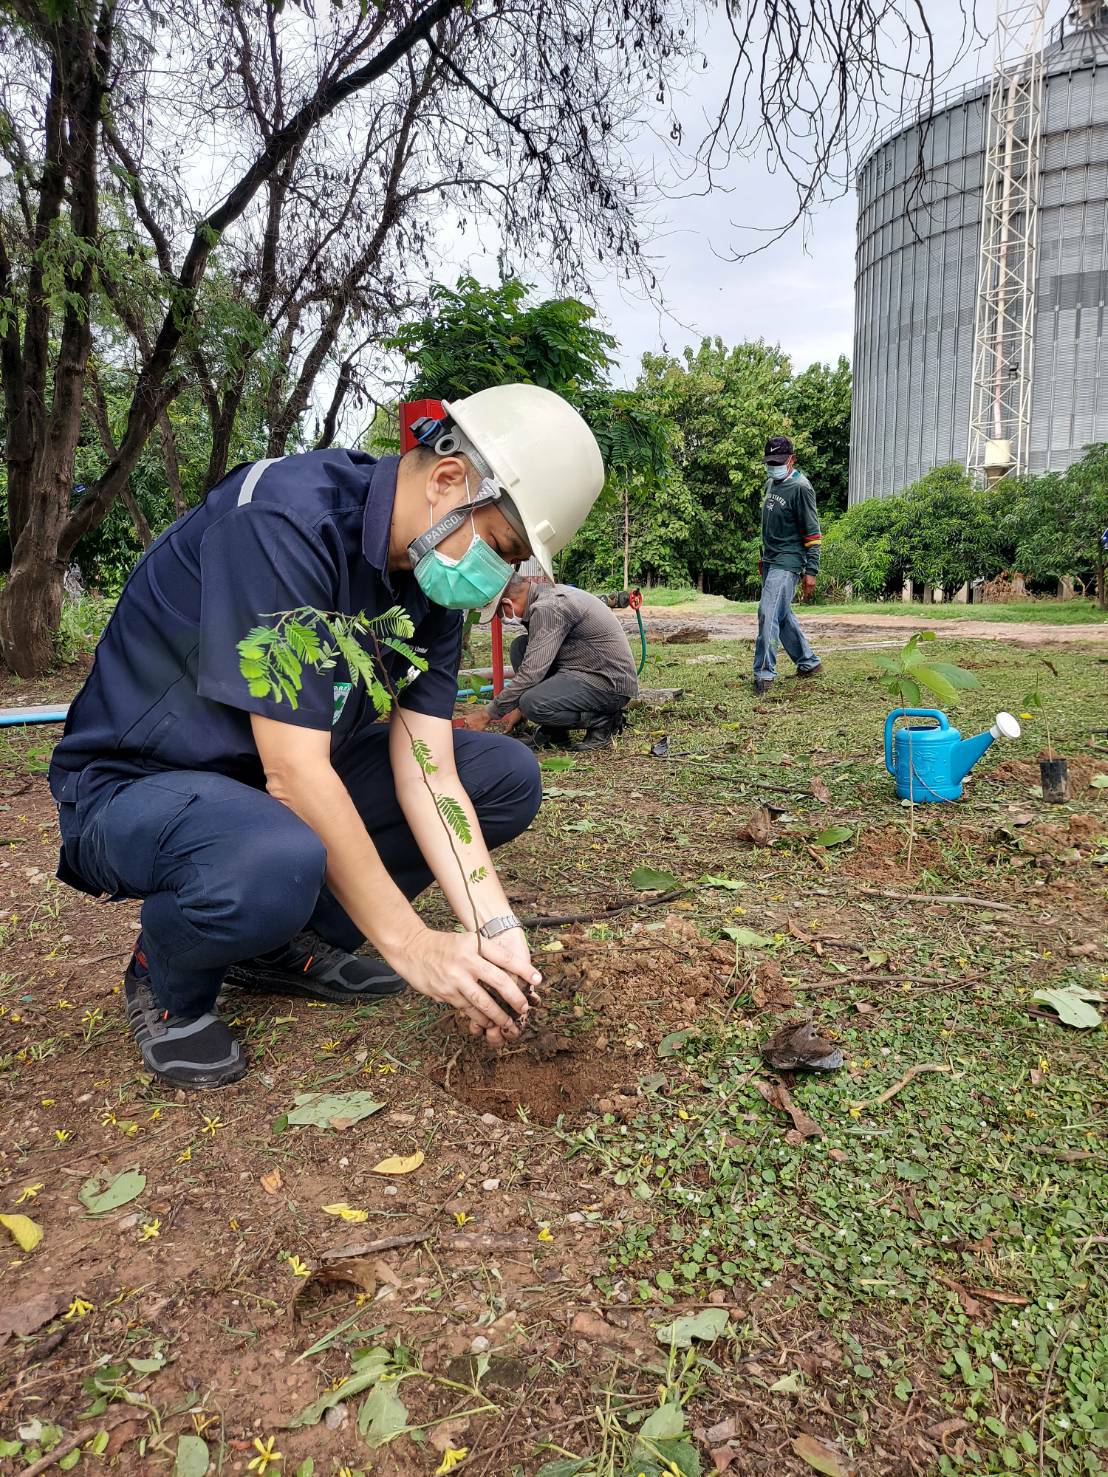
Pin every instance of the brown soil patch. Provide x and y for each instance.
(1026, 771)
(544, 1079)
(867, 628)
(880, 854)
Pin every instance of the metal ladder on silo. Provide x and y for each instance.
(1000, 403)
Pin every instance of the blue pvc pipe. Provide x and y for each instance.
(24, 717)
(14, 717)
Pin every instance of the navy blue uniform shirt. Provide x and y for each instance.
(165, 691)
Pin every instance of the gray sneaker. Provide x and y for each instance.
(185, 1051)
(309, 966)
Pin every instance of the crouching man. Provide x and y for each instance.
(572, 669)
(268, 841)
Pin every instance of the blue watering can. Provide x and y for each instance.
(931, 763)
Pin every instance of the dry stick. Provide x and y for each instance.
(86, 1433)
(1062, 1337)
(931, 897)
(383, 1243)
(911, 1073)
(538, 920)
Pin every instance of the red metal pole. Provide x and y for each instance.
(413, 410)
(497, 633)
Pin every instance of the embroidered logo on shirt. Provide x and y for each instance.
(341, 693)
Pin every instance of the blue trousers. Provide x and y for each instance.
(226, 872)
(776, 623)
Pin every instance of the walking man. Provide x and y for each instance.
(790, 553)
(572, 668)
(268, 840)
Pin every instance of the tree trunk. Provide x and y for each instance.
(626, 538)
(30, 613)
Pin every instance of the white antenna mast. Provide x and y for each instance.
(1000, 407)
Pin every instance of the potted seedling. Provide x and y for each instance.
(1053, 772)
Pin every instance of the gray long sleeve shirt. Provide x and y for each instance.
(569, 630)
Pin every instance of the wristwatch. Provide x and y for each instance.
(502, 924)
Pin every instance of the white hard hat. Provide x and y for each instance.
(542, 453)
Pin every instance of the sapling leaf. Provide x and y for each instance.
(455, 817)
(192, 1456)
(746, 938)
(421, 753)
(958, 677)
(935, 682)
(99, 1195)
(706, 1326)
(647, 879)
(833, 836)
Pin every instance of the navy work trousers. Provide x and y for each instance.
(565, 699)
(226, 872)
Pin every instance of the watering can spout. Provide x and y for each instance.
(969, 751)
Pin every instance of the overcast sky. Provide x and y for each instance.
(798, 293)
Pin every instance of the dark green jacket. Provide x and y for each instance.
(790, 525)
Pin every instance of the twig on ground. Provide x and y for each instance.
(538, 920)
(451, 1064)
(909, 1076)
(383, 1243)
(932, 897)
(79, 1437)
(1062, 1337)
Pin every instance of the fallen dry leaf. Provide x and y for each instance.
(969, 1304)
(722, 1457)
(777, 1095)
(758, 829)
(592, 1326)
(122, 1435)
(942, 1429)
(397, 1164)
(355, 1271)
(821, 1455)
(722, 1431)
(993, 1295)
(25, 1232)
(449, 1434)
(29, 1316)
(820, 791)
(271, 1182)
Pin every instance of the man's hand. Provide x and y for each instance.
(479, 719)
(808, 587)
(458, 968)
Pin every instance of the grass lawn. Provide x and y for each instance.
(1056, 612)
(630, 1246)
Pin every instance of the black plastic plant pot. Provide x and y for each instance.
(1055, 780)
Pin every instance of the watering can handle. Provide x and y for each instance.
(943, 721)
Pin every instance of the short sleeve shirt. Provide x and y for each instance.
(166, 692)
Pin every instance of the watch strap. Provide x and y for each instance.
(502, 924)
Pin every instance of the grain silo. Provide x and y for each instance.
(917, 382)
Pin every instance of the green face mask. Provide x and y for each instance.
(466, 583)
(459, 584)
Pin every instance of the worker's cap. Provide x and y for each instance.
(778, 451)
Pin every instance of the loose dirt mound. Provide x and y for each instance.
(546, 1078)
(1026, 771)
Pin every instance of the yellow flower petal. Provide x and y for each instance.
(452, 1457)
(345, 1212)
(545, 1234)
